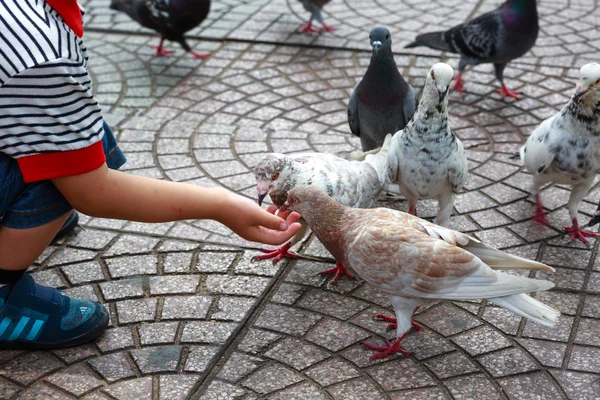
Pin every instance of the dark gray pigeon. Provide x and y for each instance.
(314, 8)
(171, 18)
(382, 102)
(497, 37)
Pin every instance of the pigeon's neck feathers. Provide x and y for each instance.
(515, 11)
(326, 219)
(581, 115)
(382, 82)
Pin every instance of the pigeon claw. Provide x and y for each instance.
(199, 56)
(506, 92)
(394, 322)
(308, 28)
(539, 215)
(578, 233)
(337, 272)
(276, 254)
(328, 28)
(162, 52)
(388, 349)
(458, 85)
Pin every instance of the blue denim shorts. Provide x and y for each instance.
(27, 205)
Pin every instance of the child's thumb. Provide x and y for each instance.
(273, 222)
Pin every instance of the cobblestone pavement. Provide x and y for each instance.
(191, 316)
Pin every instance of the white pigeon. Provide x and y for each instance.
(425, 158)
(415, 262)
(352, 183)
(565, 148)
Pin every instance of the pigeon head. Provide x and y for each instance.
(588, 87)
(437, 85)
(380, 38)
(271, 173)
(305, 199)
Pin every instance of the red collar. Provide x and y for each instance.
(70, 12)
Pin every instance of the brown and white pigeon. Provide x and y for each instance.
(497, 37)
(426, 159)
(565, 148)
(415, 262)
(171, 18)
(314, 8)
(352, 183)
(383, 102)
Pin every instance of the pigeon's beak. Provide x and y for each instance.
(261, 197)
(284, 207)
(580, 92)
(376, 46)
(442, 94)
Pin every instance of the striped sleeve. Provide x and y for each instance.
(50, 122)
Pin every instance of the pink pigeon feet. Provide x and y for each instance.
(393, 322)
(198, 56)
(578, 233)
(161, 52)
(388, 349)
(338, 271)
(307, 28)
(539, 215)
(276, 254)
(458, 85)
(328, 28)
(506, 92)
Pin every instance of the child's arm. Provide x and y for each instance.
(112, 194)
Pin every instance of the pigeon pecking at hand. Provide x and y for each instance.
(171, 18)
(415, 262)
(382, 102)
(497, 37)
(314, 8)
(426, 159)
(352, 183)
(565, 148)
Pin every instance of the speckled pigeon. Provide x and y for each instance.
(171, 18)
(565, 148)
(314, 8)
(426, 159)
(382, 102)
(497, 37)
(352, 183)
(415, 262)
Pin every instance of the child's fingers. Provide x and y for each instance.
(274, 237)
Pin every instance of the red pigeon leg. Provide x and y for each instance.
(199, 55)
(539, 215)
(458, 85)
(393, 322)
(338, 271)
(307, 28)
(506, 92)
(328, 28)
(160, 52)
(578, 233)
(276, 254)
(388, 349)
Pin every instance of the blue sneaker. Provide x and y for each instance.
(33, 316)
(68, 226)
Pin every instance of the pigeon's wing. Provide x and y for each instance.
(394, 156)
(458, 168)
(479, 38)
(410, 104)
(353, 114)
(408, 263)
(494, 258)
(537, 154)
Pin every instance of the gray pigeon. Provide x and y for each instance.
(382, 102)
(171, 18)
(314, 8)
(497, 37)
(426, 159)
(565, 148)
(415, 262)
(352, 183)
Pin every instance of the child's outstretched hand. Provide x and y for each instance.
(251, 222)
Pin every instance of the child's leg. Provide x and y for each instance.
(19, 248)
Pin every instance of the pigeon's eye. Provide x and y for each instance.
(387, 37)
(432, 75)
(275, 176)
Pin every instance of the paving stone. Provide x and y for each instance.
(71, 355)
(296, 353)
(332, 371)
(200, 357)
(481, 340)
(508, 362)
(578, 385)
(28, 368)
(186, 307)
(218, 390)
(207, 332)
(585, 359)
(136, 310)
(158, 333)
(449, 365)
(115, 339)
(83, 273)
(473, 386)
(122, 288)
(354, 390)
(233, 308)
(76, 380)
(140, 388)
(176, 387)
(399, 374)
(239, 366)
(286, 319)
(215, 261)
(236, 285)
(173, 284)
(531, 386)
(157, 359)
(112, 367)
(41, 391)
(331, 304)
(132, 265)
(257, 340)
(177, 262)
(550, 354)
(335, 335)
(448, 320)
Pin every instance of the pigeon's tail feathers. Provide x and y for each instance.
(434, 40)
(528, 307)
(500, 260)
(379, 160)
